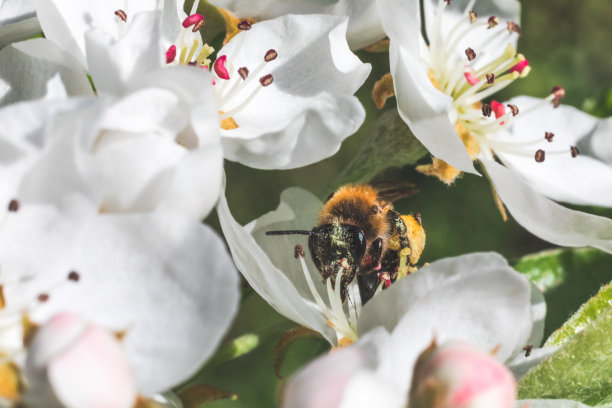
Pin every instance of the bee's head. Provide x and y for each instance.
(335, 246)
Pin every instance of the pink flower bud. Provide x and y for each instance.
(458, 375)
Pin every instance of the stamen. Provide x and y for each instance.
(473, 16)
(122, 15)
(471, 78)
(194, 48)
(266, 80)
(498, 109)
(74, 276)
(193, 19)
(492, 21)
(513, 27)
(245, 25)
(270, 55)
(197, 26)
(490, 78)
(558, 94)
(219, 67)
(486, 110)
(183, 57)
(313, 291)
(243, 72)
(540, 155)
(519, 67)
(171, 54)
(514, 109)
(549, 136)
(298, 251)
(13, 206)
(43, 297)
(470, 53)
(574, 151)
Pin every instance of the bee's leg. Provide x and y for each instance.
(403, 251)
(368, 284)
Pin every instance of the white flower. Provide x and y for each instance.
(17, 21)
(163, 281)
(151, 144)
(72, 363)
(559, 153)
(276, 111)
(38, 68)
(364, 26)
(443, 291)
(467, 301)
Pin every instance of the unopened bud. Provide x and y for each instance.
(458, 375)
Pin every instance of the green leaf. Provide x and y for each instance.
(197, 395)
(568, 278)
(581, 370)
(587, 313)
(390, 144)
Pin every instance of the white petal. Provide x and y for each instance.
(27, 68)
(521, 364)
(268, 280)
(89, 369)
(113, 63)
(545, 218)
(65, 22)
(552, 403)
(424, 108)
(487, 306)
(17, 21)
(487, 43)
(364, 24)
(304, 115)
(367, 389)
(585, 179)
(166, 280)
(390, 307)
(538, 316)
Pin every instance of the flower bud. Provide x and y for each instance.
(458, 375)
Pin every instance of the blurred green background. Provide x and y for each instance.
(567, 43)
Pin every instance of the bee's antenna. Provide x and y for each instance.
(288, 232)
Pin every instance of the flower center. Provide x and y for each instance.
(235, 85)
(476, 77)
(343, 318)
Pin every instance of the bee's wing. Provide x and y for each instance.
(392, 190)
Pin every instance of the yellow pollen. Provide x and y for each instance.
(331, 324)
(10, 383)
(434, 81)
(203, 55)
(228, 123)
(29, 329)
(2, 299)
(444, 171)
(344, 342)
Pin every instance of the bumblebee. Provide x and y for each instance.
(359, 235)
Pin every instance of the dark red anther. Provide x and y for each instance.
(492, 21)
(122, 15)
(470, 53)
(74, 276)
(13, 206)
(486, 110)
(574, 151)
(245, 25)
(243, 72)
(270, 55)
(266, 80)
(549, 136)
(473, 16)
(513, 108)
(540, 155)
(43, 297)
(513, 27)
(298, 251)
(528, 348)
(490, 78)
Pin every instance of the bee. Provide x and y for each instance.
(360, 235)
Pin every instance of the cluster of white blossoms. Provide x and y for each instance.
(114, 128)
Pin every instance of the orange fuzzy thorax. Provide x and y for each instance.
(357, 205)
